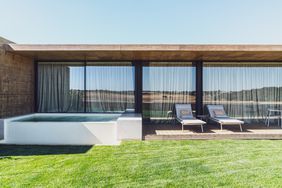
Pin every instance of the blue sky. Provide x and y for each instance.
(142, 21)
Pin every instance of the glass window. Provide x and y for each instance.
(245, 89)
(109, 86)
(60, 87)
(166, 84)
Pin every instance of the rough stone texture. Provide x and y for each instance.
(16, 84)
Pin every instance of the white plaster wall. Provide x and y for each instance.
(61, 133)
(129, 127)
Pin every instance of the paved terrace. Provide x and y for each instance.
(174, 132)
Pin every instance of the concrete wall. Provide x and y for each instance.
(16, 84)
(17, 131)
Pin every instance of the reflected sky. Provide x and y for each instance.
(241, 78)
(115, 78)
(76, 77)
(169, 78)
(175, 78)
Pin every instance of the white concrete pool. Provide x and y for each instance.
(72, 129)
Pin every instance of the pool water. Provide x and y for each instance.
(71, 118)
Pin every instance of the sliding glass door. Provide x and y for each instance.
(245, 89)
(85, 87)
(60, 87)
(165, 84)
(109, 86)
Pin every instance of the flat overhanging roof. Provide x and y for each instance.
(162, 52)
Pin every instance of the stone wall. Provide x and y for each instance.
(16, 84)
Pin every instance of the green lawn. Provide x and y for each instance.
(222, 163)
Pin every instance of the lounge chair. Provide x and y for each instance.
(217, 114)
(185, 116)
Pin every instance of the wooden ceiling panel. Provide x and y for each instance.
(149, 52)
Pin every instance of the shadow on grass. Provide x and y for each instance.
(29, 150)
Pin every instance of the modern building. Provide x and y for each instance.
(149, 79)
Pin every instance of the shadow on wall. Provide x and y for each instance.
(29, 150)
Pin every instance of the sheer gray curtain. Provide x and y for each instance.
(109, 86)
(246, 90)
(164, 85)
(60, 87)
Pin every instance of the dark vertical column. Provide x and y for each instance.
(199, 87)
(85, 63)
(138, 86)
(35, 85)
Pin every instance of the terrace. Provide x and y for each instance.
(212, 132)
(150, 80)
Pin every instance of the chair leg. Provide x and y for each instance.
(267, 119)
(268, 116)
(220, 126)
(241, 127)
(182, 127)
(280, 119)
(202, 128)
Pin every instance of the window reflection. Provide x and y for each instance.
(109, 86)
(246, 90)
(165, 84)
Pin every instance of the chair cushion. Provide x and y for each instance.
(219, 113)
(185, 113)
(192, 122)
(230, 121)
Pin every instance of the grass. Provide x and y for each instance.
(224, 163)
